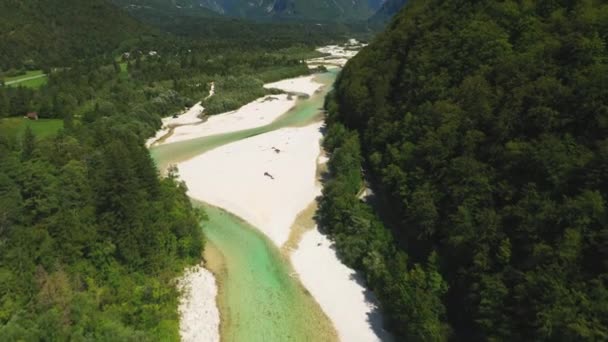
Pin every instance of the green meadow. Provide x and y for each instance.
(31, 79)
(41, 128)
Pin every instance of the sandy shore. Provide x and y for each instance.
(338, 289)
(305, 85)
(199, 315)
(338, 54)
(254, 114)
(190, 117)
(258, 113)
(339, 62)
(345, 51)
(233, 177)
(250, 179)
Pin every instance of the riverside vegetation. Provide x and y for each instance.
(484, 135)
(91, 239)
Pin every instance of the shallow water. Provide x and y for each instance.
(259, 300)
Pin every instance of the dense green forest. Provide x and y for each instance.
(484, 134)
(242, 32)
(91, 237)
(176, 76)
(41, 34)
(58, 33)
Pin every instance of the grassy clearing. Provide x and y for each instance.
(31, 79)
(31, 73)
(41, 128)
(34, 83)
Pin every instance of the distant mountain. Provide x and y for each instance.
(150, 9)
(331, 10)
(324, 10)
(386, 11)
(55, 32)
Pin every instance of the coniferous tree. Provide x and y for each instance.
(28, 144)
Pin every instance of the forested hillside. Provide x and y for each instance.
(483, 129)
(241, 32)
(47, 33)
(385, 13)
(164, 12)
(324, 10)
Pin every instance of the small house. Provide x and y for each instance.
(32, 116)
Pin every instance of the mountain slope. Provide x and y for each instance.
(326, 10)
(163, 12)
(388, 9)
(483, 131)
(56, 32)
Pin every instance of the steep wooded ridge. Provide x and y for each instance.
(483, 128)
(58, 32)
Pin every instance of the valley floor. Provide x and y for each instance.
(269, 180)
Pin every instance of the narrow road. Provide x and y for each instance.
(24, 79)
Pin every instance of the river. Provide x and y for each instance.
(259, 298)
